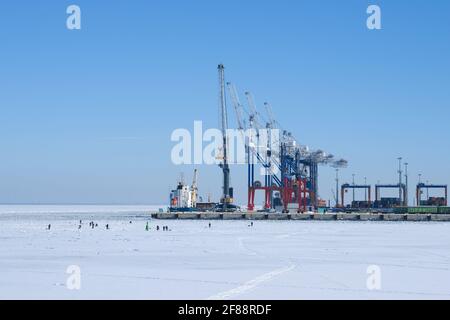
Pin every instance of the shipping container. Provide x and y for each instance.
(418, 210)
(444, 210)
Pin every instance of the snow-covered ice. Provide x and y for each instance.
(230, 260)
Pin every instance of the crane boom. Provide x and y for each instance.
(237, 106)
(254, 114)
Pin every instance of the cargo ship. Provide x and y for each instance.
(185, 198)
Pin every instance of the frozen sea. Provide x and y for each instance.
(230, 260)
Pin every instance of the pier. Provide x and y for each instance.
(424, 217)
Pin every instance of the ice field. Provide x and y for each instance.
(230, 260)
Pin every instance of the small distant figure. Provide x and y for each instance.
(79, 226)
(107, 226)
(49, 227)
(81, 221)
(157, 228)
(146, 227)
(209, 225)
(96, 225)
(251, 224)
(131, 222)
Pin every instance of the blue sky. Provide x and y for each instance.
(86, 116)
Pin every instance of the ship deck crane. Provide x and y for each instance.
(194, 188)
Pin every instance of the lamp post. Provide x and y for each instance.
(337, 187)
(419, 198)
(365, 190)
(406, 184)
(353, 182)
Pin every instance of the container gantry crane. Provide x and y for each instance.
(421, 186)
(291, 168)
(255, 153)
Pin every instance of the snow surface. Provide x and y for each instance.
(230, 260)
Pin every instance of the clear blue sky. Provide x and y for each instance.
(86, 116)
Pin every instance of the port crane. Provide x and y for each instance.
(291, 169)
(226, 195)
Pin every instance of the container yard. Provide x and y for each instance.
(290, 179)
